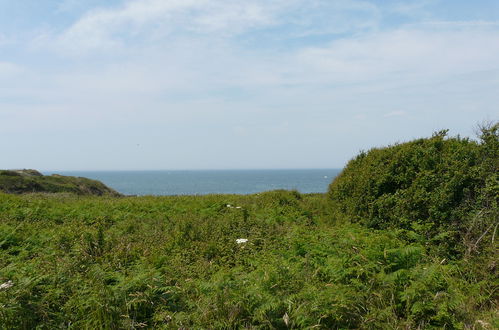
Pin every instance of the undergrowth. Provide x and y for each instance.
(173, 262)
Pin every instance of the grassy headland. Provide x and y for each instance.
(405, 238)
(31, 181)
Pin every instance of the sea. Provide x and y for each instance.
(203, 182)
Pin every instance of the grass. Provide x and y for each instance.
(173, 262)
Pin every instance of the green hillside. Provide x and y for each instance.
(31, 181)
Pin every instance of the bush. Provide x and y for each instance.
(444, 189)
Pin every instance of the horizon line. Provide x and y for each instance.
(191, 169)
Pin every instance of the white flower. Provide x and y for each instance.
(241, 240)
(238, 207)
(285, 318)
(6, 285)
(228, 205)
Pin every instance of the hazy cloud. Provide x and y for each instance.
(8, 69)
(395, 114)
(196, 75)
(147, 21)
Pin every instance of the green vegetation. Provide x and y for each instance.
(404, 239)
(31, 181)
(443, 191)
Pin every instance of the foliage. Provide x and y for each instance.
(443, 191)
(31, 181)
(173, 262)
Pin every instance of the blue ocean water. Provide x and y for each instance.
(211, 181)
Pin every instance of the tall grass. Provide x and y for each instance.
(173, 262)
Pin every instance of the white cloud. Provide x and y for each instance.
(151, 20)
(140, 22)
(322, 17)
(9, 70)
(405, 54)
(395, 114)
(68, 5)
(459, 24)
(216, 71)
(418, 8)
(191, 67)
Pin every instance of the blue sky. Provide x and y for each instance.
(198, 84)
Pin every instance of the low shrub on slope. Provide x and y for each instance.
(31, 181)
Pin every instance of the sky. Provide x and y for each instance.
(225, 84)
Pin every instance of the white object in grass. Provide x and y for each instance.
(6, 285)
(241, 240)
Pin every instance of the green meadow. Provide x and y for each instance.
(405, 238)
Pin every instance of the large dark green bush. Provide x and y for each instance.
(443, 189)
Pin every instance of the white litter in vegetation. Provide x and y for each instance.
(241, 240)
(6, 285)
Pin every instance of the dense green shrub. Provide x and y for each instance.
(443, 190)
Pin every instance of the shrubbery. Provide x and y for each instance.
(173, 262)
(442, 190)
